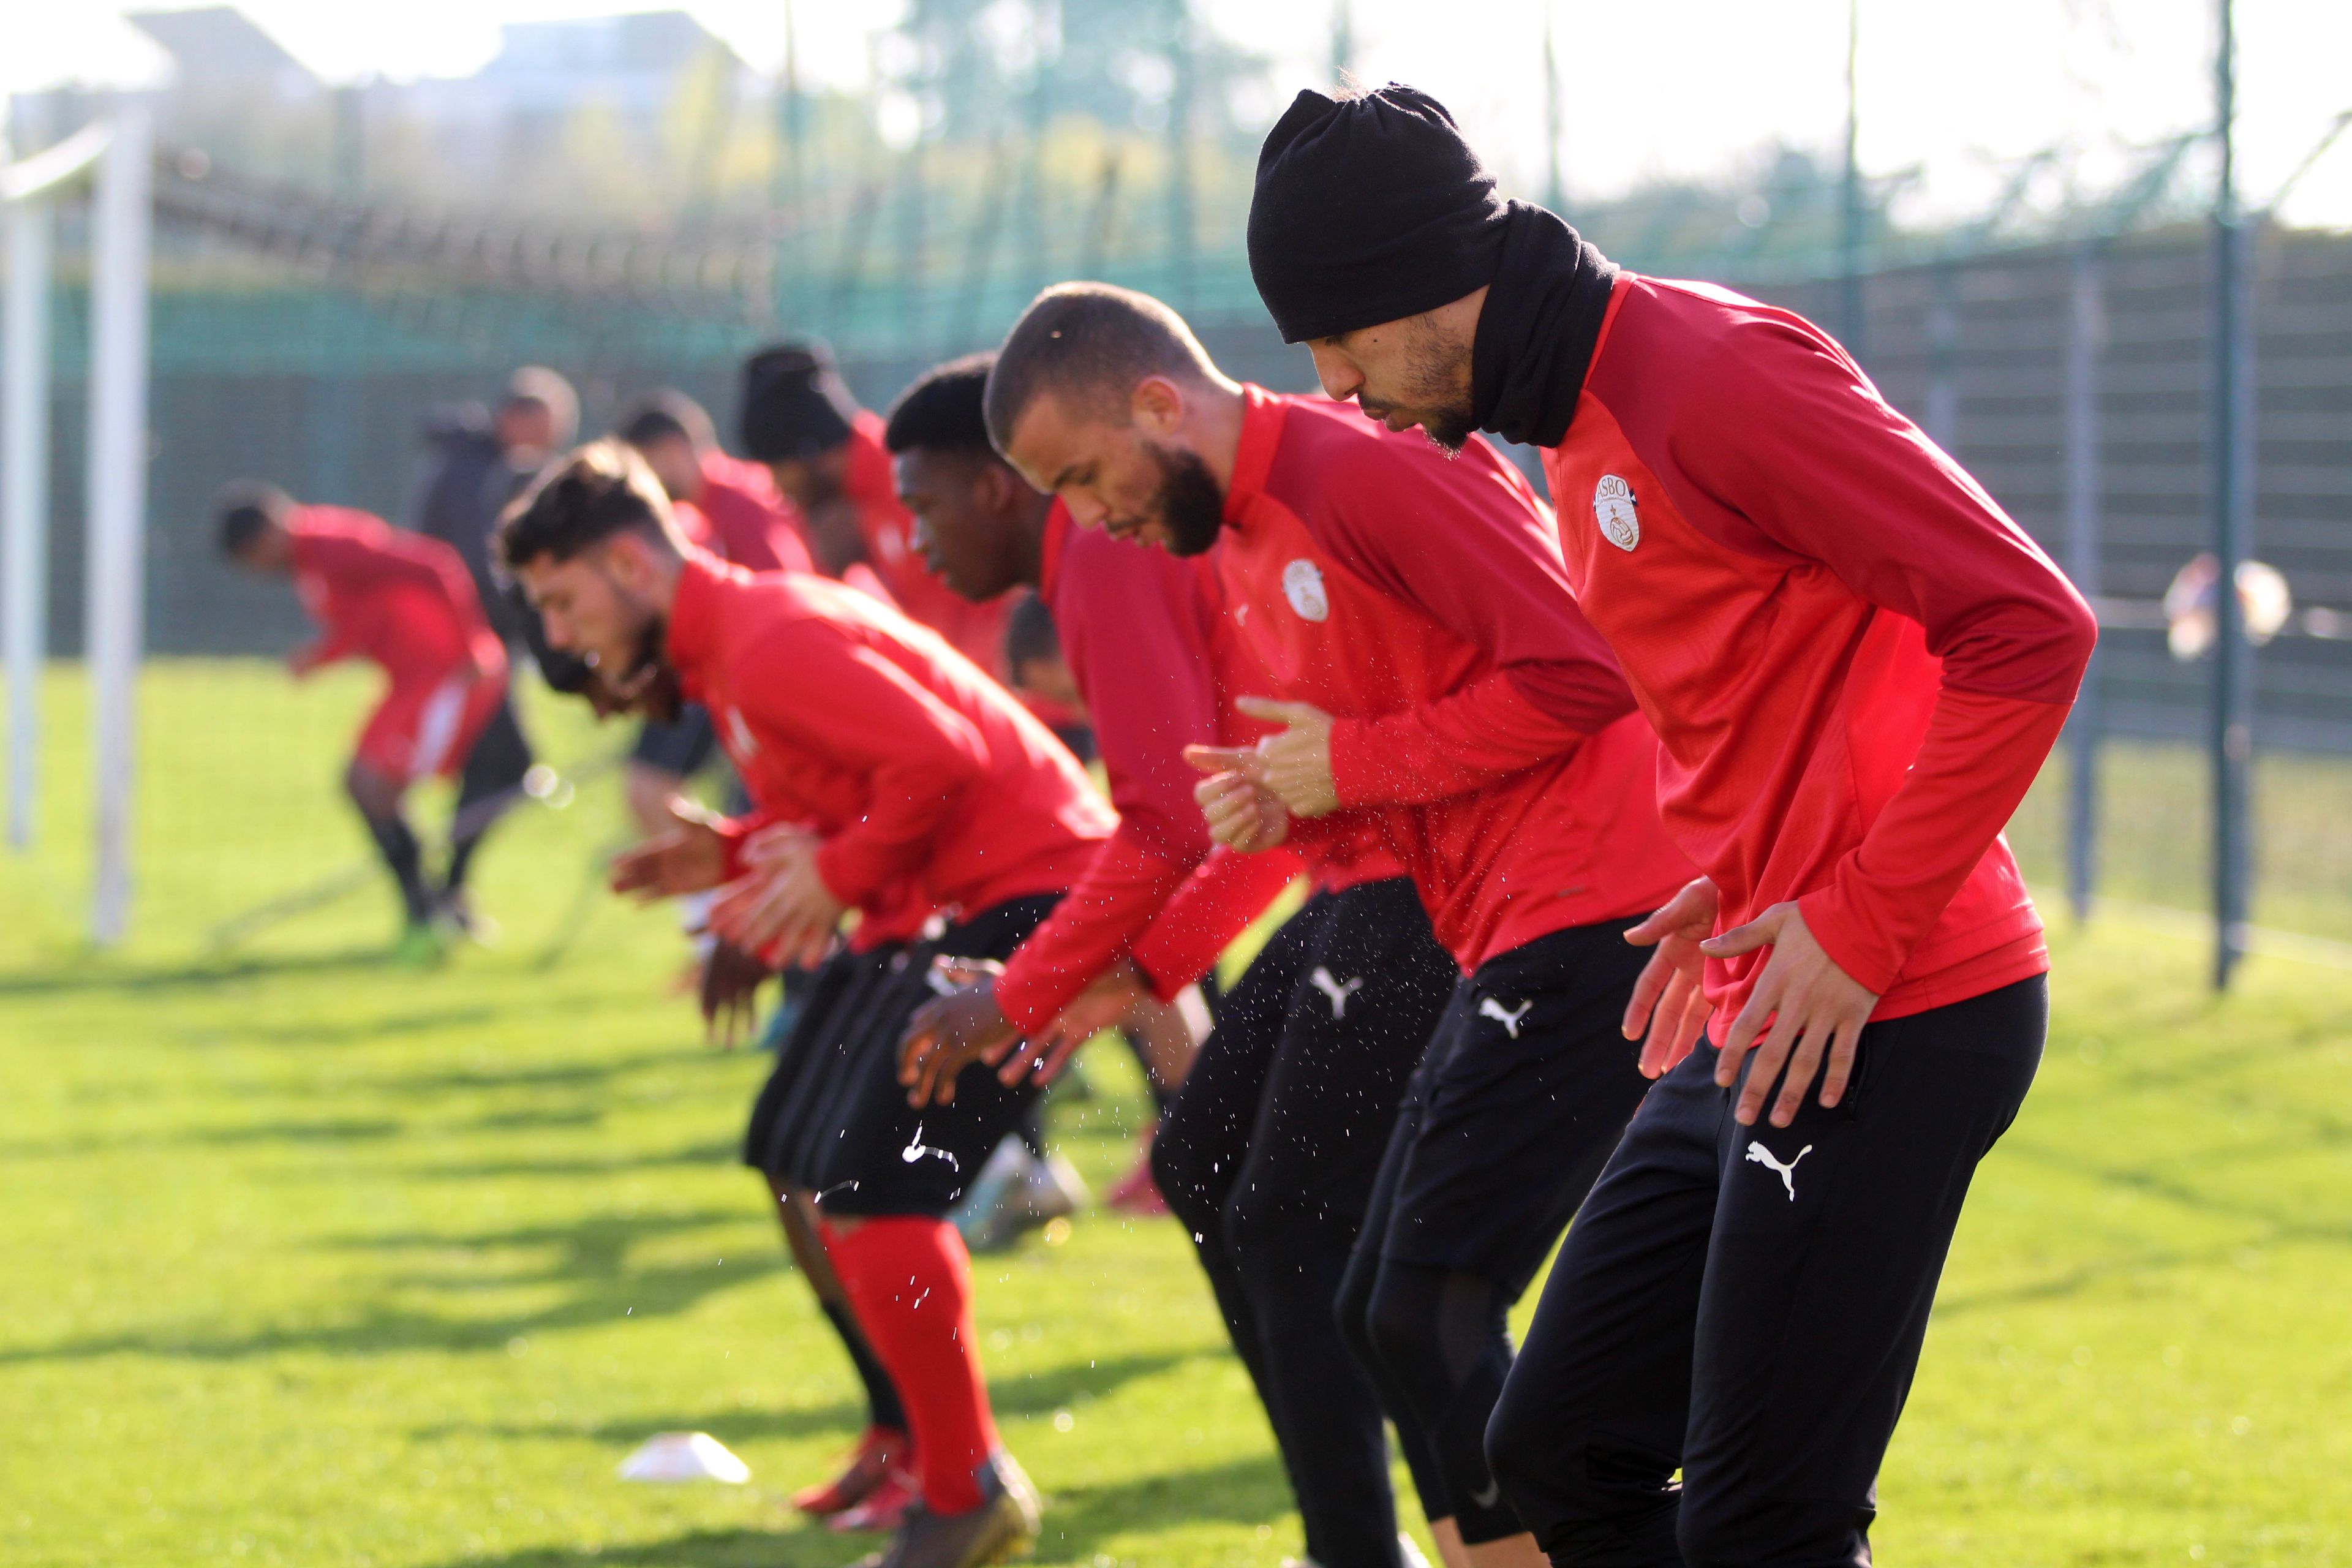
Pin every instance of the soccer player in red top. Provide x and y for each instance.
(1856, 664)
(1433, 673)
(731, 508)
(890, 776)
(826, 455)
(405, 604)
(1268, 1171)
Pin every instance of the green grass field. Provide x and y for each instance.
(308, 1260)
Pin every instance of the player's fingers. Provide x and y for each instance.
(1017, 1063)
(1050, 1064)
(1648, 987)
(1844, 1045)
(1276, 711)
(1220, 759)
(1764, 1070)
(1695, 1009)
(1745, 1025)
(1756, 933)
(1804, 1061)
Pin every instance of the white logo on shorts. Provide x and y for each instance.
(1612, 508)
(1302, 584)
(1509, 1019)
(1339, 993)
(1759, 1154)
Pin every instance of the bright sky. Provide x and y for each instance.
(1950, 88)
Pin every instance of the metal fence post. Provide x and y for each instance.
(2231, 731)
(2084, 330)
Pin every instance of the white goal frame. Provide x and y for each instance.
(115, 157)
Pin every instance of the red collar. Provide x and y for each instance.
(695, 611)
(867, 480)
(1262, 418)
(1049, 556)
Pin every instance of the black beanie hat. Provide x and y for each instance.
(794, 403)
(1368, 209)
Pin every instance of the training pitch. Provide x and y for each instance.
(306, 1259)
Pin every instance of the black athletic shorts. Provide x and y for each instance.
(1526, 1088)
(834, 1118)
(681, 748)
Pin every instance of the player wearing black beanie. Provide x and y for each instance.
(1856, 665)
(1373, 209)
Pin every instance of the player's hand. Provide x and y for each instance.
(731, 978)
(1104, 1004)
(1812, 1005)
(687, 859)
(1294, 764)
(781, 906)
(303, 663)
(948, 1034)
(1669, 1003)
(1242, 813)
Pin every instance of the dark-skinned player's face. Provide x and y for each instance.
(965, 523)
(1119, 477)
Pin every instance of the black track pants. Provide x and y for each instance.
(1522, 1096)
(1267, 1155)
(1746, 1303)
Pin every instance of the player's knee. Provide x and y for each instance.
(375, 793)
(1523, 1442)
(1400, 1327)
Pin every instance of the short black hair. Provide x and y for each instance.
(582, 499)
(244, 511)
(1092, 342)
(943, 410)
(667, 414)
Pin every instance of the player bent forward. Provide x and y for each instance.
(887, 776)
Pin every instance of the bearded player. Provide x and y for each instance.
(1456, 696)
(1856, 664)
(890, 776)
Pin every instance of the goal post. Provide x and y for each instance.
(116, 153)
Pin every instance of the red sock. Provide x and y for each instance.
(910, 1280)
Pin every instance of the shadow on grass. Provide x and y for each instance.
(72, 978)
(1077, 1519)
(2265, 1227)
(589, 1257)
(1033, 1395)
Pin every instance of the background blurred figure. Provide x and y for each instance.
(404, 604)
(826, 454)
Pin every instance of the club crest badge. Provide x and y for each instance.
(1302, 584)
(1612, 508)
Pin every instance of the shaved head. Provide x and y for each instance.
(1088, 345)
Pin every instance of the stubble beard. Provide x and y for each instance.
(1192, 507)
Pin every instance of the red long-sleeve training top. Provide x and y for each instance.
(931, 787)
(889, 530)
(1421, 599)
(1138, 629)
(401, 600)
(739, 516)
(1856, 661)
